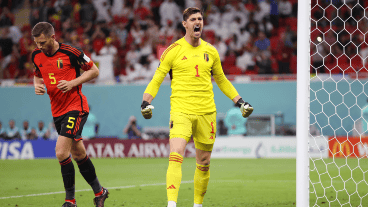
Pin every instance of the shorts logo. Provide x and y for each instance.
(171, 187)
(184, 58)
(59, 63)
(69, 132)
(211, 137)
(40, 65)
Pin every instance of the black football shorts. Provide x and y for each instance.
(71, 124)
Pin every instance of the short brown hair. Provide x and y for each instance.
(189, 11)
(43, 28)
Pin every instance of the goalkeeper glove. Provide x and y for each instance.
(146, 110)
(245, 108)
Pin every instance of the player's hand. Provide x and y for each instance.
(146, 110)
(40, 89)
(65, 86)
(246, 109)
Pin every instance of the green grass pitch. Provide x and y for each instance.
(136, 182)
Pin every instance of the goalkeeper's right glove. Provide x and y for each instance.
(245, 108)
(146, 110)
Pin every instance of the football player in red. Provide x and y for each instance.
(57, 65)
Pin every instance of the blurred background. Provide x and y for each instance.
(256, 40)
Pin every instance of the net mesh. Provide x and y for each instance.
(338, 103)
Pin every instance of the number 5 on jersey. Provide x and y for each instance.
(52, 78)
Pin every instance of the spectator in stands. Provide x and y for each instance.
(91, 126)
(103, 10)
(169, 11)
(6, 43)
(246, 61)
(221, 128)
(141, 11)
(53, 132)
(284, 56)
(133, 55)
(6, 18)
(98, 39)
(132, 129)
(221, 47)
(2, 132)
(235, 45)
(35, 13)
(274, 13)
(252, 26)
(263, 43)
(42, 132)
(264, 64)
(25, 46)
(235, 122)
(26, 130)
(11, 69)
(66, 10)
(87, 13)
(285, 8)
(108, 49)
(263, 10)
(12, 132)
(266, 27)
(33, 135)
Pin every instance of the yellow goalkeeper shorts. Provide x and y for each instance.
(202, 127)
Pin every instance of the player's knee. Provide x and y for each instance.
(61, 154)
(203, 160)
(178, 150)
(78, 155)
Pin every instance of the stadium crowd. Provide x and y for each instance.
(126, 37)
(252, 36)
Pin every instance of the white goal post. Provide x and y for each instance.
(333, 102)
(302, 113)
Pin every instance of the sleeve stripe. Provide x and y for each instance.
(71, 49)
(167, 51)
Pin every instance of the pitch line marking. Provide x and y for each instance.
(119, 187)
(142, 185)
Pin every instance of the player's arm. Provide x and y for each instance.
(153, 87)
(38, 81)
(88, 75)
(228, 89)
(85, 63)
(39, 87)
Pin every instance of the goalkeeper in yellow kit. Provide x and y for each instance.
(190, 62)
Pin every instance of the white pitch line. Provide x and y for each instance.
(60, 192)
(144, 185)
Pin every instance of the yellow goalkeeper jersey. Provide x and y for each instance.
(190, 70)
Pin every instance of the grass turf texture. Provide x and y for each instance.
(139, 182)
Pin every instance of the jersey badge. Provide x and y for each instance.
(206, 57)
(59, 63)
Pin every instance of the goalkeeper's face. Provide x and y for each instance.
(194, 25)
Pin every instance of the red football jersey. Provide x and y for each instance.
(65, 64)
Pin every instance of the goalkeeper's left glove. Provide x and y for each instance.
(146, 110)
(245, 108)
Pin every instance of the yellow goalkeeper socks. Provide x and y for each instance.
(201, 178)
(173, 176)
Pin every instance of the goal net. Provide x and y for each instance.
(338, 111)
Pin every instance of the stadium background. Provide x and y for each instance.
(257, 43)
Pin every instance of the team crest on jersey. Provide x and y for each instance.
(206, 57)
(60, 63)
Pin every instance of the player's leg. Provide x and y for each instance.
(180, 132)
(201, 175)
(62, 149)
(204, 135)
(87, 169)
(85, 165)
